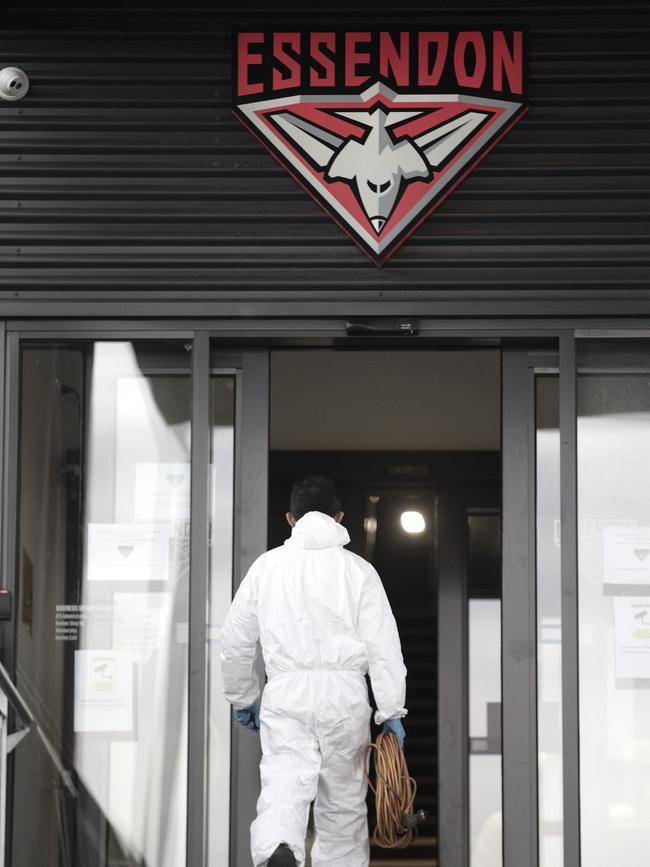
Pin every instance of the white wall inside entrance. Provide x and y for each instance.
(387, 399)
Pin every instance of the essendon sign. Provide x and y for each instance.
(379, 126)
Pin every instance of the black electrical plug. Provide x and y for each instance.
(412, 820)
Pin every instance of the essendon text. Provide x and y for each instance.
(275, 62)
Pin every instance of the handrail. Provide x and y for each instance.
(15, 699)
(21, 708)
(10, 697)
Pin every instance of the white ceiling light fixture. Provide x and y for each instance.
(413, 522)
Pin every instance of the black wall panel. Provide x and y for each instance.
(124, 173)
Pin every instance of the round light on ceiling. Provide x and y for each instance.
(412, 522)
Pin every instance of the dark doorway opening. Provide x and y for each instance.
(412, 439)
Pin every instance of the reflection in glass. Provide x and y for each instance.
(222, 456)
(484, 650)
(549, 636)
(103, 588)
(614, 601)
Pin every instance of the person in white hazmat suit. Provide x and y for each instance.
(322, 618)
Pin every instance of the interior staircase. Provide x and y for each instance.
(418, 637)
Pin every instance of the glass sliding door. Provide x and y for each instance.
(141, 494)
(140, 502)
(613, 508)
(102, 618)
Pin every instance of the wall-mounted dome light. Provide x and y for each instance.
(413, 522)
(14, 83)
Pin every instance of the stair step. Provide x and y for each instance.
(416, 666)
(416, 849)
(404, 856)
(403, 861)
(414, 699)
(419, 842)
(420, 650)
(419, 725)
(424, 761)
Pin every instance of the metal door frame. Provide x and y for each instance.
(519, 608)
(518, 622)
(455, 504)
(251, 370)
(251, 497)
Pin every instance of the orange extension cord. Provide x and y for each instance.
(394, 791)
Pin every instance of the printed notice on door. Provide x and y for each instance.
(103, 691)
(128, 552)
(141, 622)
(162, 492)
(626, 555)
(632, 632)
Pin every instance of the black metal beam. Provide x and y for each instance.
(453, 724)
(569, 561)
(250, 535)
(518, 613)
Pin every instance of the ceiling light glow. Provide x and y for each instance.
(412, 522)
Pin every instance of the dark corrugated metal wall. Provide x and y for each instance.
(124, 170)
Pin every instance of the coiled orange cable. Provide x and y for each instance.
(394, 791)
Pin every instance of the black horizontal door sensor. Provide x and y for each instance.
(382, 325)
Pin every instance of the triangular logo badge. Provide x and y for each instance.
(378, 159)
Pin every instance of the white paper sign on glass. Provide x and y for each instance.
(128, 552)
(632, 636)
(103, 695)
(141, 622)
(626, 555)
(162, 492)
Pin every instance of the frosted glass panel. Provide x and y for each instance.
(486, 832)
(614, 602)
(485, 776)
(102, 632)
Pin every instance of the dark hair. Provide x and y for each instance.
(314, 494)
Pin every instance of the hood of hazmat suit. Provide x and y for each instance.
(322, 619)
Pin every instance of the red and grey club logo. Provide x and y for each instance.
(379, 127)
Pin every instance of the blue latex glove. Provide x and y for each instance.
(250, 717)
(395, 726)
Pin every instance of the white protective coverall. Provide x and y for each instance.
(323, 620)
